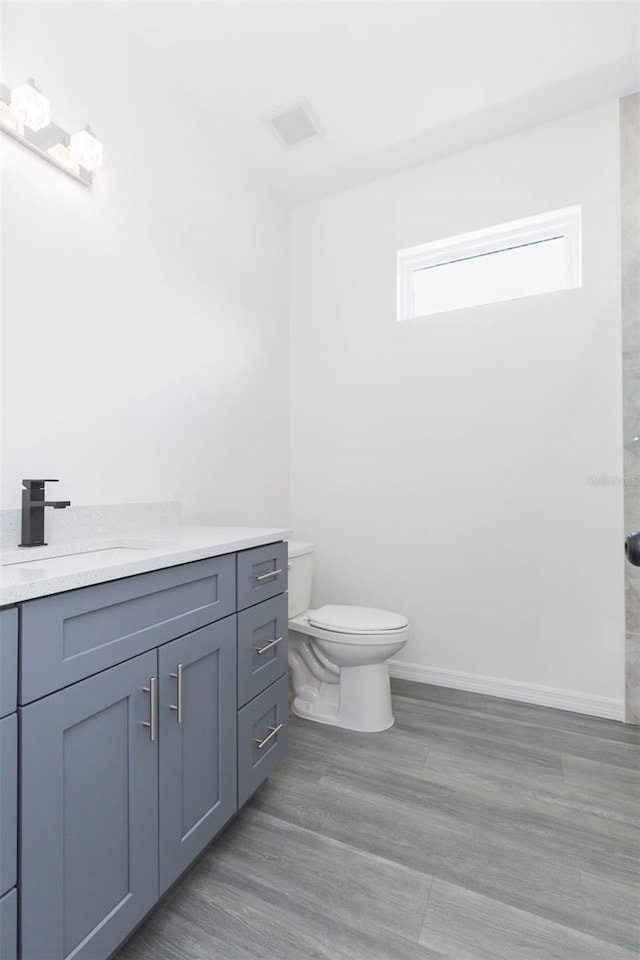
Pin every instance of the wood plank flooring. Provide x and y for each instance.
(474, 829)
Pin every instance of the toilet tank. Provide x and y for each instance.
(300, 576)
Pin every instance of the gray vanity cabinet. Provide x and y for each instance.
(149, 711)
(89, 825)
(197, 743)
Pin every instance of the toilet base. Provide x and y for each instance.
(361, 700)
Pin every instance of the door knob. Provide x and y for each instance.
(632, 548)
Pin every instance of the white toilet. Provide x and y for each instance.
(338, 654)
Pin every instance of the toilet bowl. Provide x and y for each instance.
(338, 654)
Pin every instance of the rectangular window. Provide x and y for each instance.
(518, 259)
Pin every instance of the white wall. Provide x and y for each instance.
(440, 465)
(146, 319)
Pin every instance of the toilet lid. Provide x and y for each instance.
(347, 619)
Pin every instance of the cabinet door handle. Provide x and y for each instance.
(152, 723)
(269, 736)
(267, 576)
(268, 646)
(179, 675)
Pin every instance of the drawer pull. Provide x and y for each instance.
(152, 723)
(178, 675)
(268, 646)
(269, 736)
(267, 576)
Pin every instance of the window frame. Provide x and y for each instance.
(565, 223)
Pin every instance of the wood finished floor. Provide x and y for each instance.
(474, 829)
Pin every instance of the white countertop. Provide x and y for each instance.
(79, 563)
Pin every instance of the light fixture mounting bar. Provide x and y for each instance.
(82, 177)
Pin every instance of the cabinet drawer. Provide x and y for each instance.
(260, 747)
(8, 661)
(261, 574)
(8, 802)
(9, 926)
(72, 635)
(262, 647)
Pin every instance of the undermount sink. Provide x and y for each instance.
(69, 558)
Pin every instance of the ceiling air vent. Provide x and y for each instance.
(295, 123)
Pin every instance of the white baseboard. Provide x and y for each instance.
(510, 690)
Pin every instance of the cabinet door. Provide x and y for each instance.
(8, 660)
(8, 802)
(198, 789)
(89, 825)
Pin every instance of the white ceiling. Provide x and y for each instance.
(393, 83)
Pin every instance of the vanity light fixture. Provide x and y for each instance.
(25, 115)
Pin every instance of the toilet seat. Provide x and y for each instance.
(358, 621)
(303, 625)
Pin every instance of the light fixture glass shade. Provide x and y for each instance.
(30, 107)
(62, 155)
(87, 150)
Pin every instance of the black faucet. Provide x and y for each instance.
(33, 504)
